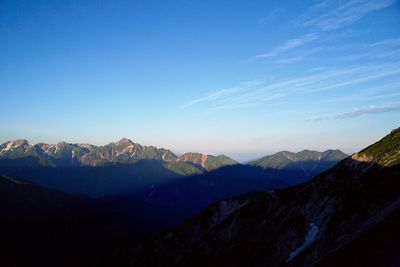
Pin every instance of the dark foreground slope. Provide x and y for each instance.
(44, 227)
(351, 207)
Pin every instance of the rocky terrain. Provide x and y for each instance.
(343, 210)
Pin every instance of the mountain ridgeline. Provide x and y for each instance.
(346, 216)
(155, 175)
(123, 152)
(308, 161)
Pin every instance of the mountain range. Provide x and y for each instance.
(259, 214)
(346, 216)
(186, 184)
(308, 161)
(123, 152)
(21, 154)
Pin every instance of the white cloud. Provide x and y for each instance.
(346, 14)
(358, 112)
(253, 93)
(288, 45)
(213, 96)
(269, 17)
(322, 22)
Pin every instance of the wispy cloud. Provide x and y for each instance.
(346, 14)
(371, 93)
(387, 49)
(288, 60)
(359, 65)
(213, 96)
(288, 45)
(320, 5)
(322, 23)
(299, 55)
(255, 93)
(269, 17)
(224, 93)
(358, 112)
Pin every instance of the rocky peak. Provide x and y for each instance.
(21, 142)
(125, 142)
(12, 145)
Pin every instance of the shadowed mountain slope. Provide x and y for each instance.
(44, 227)
(310, 163)
(297, 226)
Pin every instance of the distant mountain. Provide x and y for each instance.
(347, 216)
(22, 153)
(311, 163)
(208, 162)
(186, 184)
(123, 167)
(65, 154)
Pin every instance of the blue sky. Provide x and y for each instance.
(244, 78)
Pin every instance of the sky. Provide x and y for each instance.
(242, 78)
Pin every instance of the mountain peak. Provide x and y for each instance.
(20, 142)
(124, 141)
(11, 145)
(208, 162)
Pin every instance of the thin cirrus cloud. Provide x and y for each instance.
(346, 14)
(358, 112)
(374, 92)
(268, 18)
(213, 96)
(224, 93)
(256, 93)
(288, 45)
(354, 65)
(387, 49)
(322, 21)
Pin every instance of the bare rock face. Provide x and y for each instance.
(362, 157)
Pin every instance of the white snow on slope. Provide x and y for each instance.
(310, 238)
(8, 147)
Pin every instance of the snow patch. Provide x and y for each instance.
(8, 147)
(288, 156)
(203, 160)
(310, 238)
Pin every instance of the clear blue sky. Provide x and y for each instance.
(244, 78)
